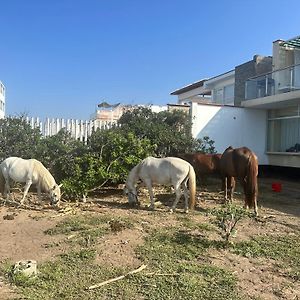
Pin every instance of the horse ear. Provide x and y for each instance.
(60, 185)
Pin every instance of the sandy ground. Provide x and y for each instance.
(22, 235)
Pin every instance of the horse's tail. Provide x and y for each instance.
(192, 186)
(251, 188)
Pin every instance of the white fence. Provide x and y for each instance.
(79, 129)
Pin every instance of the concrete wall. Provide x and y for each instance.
(233, 126)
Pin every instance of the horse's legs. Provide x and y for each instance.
(231, 188)
(26, 188)
(255, 207)
(38, 187)
(149, 187)
(6, 191)
(186, 198)
(225, 188)
(178, 194)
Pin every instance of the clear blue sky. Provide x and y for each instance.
(60, 58)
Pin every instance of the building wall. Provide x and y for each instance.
(259, 65)
(2, 100)
(231, 126)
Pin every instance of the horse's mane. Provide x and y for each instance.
(46, 180)
(132, 176)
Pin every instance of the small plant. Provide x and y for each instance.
(227, 217)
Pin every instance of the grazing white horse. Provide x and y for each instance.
(30, 171)
(171, 171)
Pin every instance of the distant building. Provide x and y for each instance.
(2, 100)
(112, 112)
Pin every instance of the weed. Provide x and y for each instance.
(227, 218)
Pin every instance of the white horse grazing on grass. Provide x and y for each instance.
(30, 171)
(171, 171)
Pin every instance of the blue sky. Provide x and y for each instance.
(61, 58)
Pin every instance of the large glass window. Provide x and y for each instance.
(224, 95)
(229, 94)
(218, 96)
(284, 130)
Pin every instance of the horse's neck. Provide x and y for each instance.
(133, 177)
(46, 180)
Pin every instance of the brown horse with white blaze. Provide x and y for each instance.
(242, 164)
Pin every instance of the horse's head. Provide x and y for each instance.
(132, 196)
(55, 194)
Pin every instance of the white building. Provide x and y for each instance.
(257, 104)
(2, 100)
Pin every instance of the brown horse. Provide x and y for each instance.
(204, 164)
(242, 164)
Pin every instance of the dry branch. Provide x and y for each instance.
(162, 274)
(142, 267)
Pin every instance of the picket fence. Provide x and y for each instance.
(79, 129)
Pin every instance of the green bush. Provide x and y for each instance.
(17, 138)
(170, 131)
(109, 154)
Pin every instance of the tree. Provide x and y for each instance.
(17, 138)
(110, 156)
(169, 131)
(58, 153)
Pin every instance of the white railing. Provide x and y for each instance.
(79, 129)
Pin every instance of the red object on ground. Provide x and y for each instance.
(276, 187)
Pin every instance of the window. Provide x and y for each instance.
(224, 95)
(218, 96)
(284, 130)
(229, 94)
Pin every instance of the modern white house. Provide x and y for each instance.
(257, 104)
(2, 100)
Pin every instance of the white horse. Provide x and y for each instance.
(30, 171)
(171, 171)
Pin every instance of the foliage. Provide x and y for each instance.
(170, 131)
(17, 138)
(227, 218)
(205, 145)
(58, 153)
(109, 154)
(119, 150)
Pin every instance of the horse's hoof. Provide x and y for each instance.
(151, 207)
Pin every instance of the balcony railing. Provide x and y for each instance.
(273, 83)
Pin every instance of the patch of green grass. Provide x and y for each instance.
(188, 222)
(181, 256)
(284, 249)
(178, 255)
(69, 277)
(89, 227)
